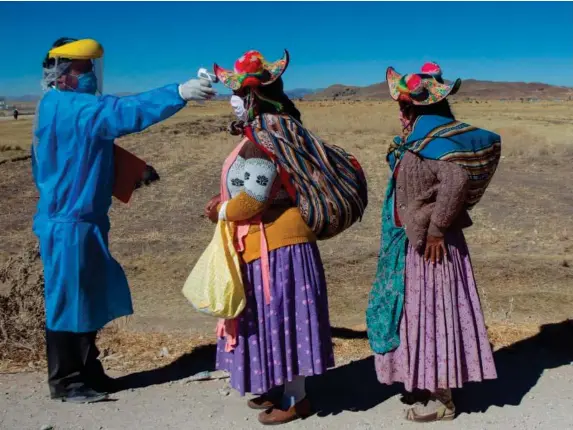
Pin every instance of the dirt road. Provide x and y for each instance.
(534, 391)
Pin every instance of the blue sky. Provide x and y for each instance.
(150, 44)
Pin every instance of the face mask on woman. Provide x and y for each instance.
(239, 108)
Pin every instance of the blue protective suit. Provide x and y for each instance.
(73, 168)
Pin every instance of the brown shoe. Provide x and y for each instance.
(264, 402)
(277, 416)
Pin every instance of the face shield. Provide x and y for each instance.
(89, 76)
(75, 66)
(98, 72)
(53, 72)
(83, 76)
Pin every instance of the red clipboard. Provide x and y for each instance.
(129, 171)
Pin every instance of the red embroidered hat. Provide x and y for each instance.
(425, 88)
(252, 70)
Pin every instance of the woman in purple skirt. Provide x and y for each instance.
(424, 317)
(283, 335)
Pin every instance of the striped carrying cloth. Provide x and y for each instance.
(326, 183)
(435, 137)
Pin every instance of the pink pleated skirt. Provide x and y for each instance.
(443, 338)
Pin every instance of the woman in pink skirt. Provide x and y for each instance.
(424, 317)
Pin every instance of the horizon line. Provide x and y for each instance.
(227, 91)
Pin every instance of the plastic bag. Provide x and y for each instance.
(215, 285)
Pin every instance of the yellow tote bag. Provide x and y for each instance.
(215, 285)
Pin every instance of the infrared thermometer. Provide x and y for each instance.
(204, 74)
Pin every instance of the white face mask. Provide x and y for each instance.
(239, 108)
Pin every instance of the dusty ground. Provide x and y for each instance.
(534, 391)
(207, 406)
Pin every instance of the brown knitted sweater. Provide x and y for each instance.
(430, 198)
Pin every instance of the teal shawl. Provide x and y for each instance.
(438, 138)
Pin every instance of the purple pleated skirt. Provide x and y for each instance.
(289, 337)
(443, 338)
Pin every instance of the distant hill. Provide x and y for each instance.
(297, 93)
(28, 98)
(471, 88)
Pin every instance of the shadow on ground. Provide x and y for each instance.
(201, 359)
(519, 367)
(354, 386)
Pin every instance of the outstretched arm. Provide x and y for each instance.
(117, 116)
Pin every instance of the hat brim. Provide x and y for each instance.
(227, 77)
(436, 91)
(393, 78)
(277, 68)
(236, 81)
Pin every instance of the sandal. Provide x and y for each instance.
(445, 409)
(416, 396)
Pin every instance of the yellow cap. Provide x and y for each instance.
(85, 49)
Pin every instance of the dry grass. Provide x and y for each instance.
(16, 134)
(128, 351)
(22, 307)
(521, 243)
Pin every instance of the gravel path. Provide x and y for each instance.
(534, 391)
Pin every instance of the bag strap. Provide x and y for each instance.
(284, 175)
(226, 166)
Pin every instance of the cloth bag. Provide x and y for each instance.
(215, 285)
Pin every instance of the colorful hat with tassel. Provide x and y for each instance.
(425, 88)
(252, 70)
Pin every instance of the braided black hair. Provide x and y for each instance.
(275, 92)
(442, 108)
